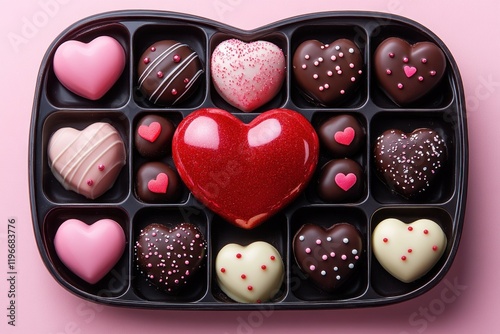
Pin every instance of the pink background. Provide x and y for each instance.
(470, 31)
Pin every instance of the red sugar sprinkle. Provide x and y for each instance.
(250, 288)
(222, 270)
(100, 167)
(426, 231)
(153, 49)
(243, 276)
(263, 267)
(403, 258)
(410, 228)
(174, 91)
(238, 256)
(146, 60)
(434, 248)
(391, 55)
(160, 74)
(177, 58)
(273, 258)
(385, 240)
(90, 182)
(410, 250)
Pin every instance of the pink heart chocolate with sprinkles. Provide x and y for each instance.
(170, 257)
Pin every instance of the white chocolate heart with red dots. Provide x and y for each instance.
(249, 274)
(408, 251)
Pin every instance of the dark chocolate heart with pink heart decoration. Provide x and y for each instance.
(406, 71)
(328, 256)
(342, 135)
(245, 172)
(170, 257)
(327, 72)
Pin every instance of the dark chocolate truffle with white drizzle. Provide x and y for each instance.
(169, 72)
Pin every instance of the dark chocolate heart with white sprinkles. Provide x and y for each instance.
(328, 256)
(327, 72)
(170, 257)
(408, 72)
(409, 163)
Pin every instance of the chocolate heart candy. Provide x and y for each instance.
(226, 163)
(342, 135)
(170, 257)
(408, 251)
(168, 72)
(248, 75)
(90, 69)
(156, 182)
(249, 274)
(409, 163)
(327, 72)
(88, 161)
(90, 251)
(341, 180)
(328, 256)
(407, 72)
(153, 136)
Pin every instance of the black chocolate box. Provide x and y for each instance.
(443, 109)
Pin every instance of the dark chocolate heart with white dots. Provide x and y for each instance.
(327, 72)
(408, 72)
(170, 257)
(328, 256)
(409, 163)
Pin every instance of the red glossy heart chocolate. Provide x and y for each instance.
(245, 172)
(407, 72)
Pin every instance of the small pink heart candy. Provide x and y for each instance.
(409, 71)
(90, 251)
(150, 132)
(345, 182)
(89, 69)
(159, 185)
(345, 137)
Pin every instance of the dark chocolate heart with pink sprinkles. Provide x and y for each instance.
(170, 257)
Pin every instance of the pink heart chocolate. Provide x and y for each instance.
(247, 75)
(89, 70)
(88, 161)
(245, 172)
(90, 251)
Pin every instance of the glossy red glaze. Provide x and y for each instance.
(245, 172)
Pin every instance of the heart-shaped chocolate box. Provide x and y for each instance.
(442, 109)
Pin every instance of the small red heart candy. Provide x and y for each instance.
(150, 132)
(159, 185)
(345, 137)
(245, 172)
(345, 182)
